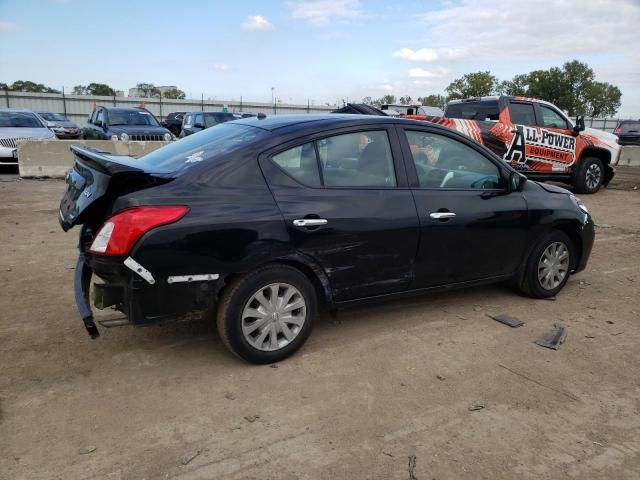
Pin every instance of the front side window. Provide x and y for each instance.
(360, 159)
(552, 119)
(301, 163)
(443, 162)
(522, 114)
(198, 119)
(100, 117)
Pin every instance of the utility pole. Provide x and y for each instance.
(64, 102)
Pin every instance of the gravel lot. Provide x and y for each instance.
(378, 392)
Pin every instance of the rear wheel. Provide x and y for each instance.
(589, 175)
(549, 266)
(267, 314)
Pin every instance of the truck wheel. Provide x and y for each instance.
(549, 266)
(589, 175)
(266, 315)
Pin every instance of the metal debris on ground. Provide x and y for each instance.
(412, 467)
(251, 418)
(554, 337)
(440, 377)
(229, 396)
(476, 407)
(507, 320)
(87, 449)
(188, 458)
(273, 365)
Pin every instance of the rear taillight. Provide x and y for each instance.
(120, 233)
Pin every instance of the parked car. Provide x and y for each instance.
(173, 122)
(117, 123)
(261, 220)
(628, 132)
(60, 125)
(195, 122)
(19, 124)
(412, 110)
(536, 138)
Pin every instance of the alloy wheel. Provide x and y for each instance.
(594, 175)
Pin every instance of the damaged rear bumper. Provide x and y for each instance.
(144, 297)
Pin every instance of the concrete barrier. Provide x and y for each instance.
(630, 156)
(52, 158)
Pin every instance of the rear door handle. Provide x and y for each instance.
(310, 222)
(442, 215)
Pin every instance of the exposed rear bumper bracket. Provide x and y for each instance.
(81, 284)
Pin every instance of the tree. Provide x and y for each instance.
(174, 93)
(516, 87)
(79, 90)
(406, 100)
(27, 86)
(439, 101)
(603, 99)
(148, 90)
(387, 100)
(476, 84)
(4, 86)
(367, 100)
(100, 89)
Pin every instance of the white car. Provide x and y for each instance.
(19, 124)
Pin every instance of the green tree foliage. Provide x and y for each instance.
(27, 86)
(388, 100)
(148, 90)
(174, 93)
(406, 100)
(603, 99)
(94, 89)
(476, 84)
(439, 101)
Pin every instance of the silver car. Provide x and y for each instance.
(19, 124)
(60, 125)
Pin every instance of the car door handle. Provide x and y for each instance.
(442, 215)
(310, 222)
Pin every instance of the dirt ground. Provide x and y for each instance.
(380, 392)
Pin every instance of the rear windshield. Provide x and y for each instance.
(630, 127)
(486, 110)
(204, 146)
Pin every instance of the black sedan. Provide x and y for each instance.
(261, 221)
(628, 132)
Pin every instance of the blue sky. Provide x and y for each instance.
(322, 50)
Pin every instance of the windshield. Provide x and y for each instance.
(204, 146)
(132, 117)
(211, 119)
(486, 110)
(630, 127)
(53, 117)
(19, 120)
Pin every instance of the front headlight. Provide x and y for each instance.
(124, 137)
(114, 138)
(580, 204)
(168, 137)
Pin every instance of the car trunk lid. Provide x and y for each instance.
(95, 181)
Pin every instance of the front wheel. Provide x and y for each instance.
(266, 315)
(589, 175)
(549, 266)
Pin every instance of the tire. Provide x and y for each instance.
(531, 284)
(589, 175)
(247, 325)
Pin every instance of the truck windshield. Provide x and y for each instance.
(481, 110)
(131, 117)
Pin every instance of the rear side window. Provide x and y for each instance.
(360, 159)
(522, 114)
(485, 110)
(301, 163)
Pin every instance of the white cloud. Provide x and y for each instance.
(422, 73)
(257, 22)
(322, 12)
(7, 26)
(429, 55)
(220, 66)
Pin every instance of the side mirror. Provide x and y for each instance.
(579, 126)
(516, 182)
